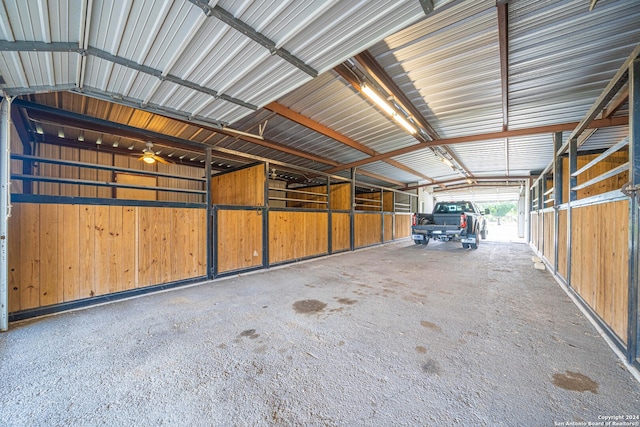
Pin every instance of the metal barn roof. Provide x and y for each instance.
(294, 72)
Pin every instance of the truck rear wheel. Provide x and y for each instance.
(483, 234)
(465, 245)
(474, 246)
(426, 240)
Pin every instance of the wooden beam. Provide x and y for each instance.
(601, 123)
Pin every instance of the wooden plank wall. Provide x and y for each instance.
(610, 184)
(367, 229)
(297, 235)
(603, 284)
(388, 227)
(244, 187)
(402, 225)
(239, 239)
(62, 253)
(340, 231)
(562, 243)
(341, 196)
(276, 183)
(108, 159)
(387, 202)
(372, 202)
(306, 200)
(548, 246)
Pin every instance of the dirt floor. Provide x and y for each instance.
(393, 335)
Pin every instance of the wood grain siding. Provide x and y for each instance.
(402, 226)
(548, 250)
(62, 253)
(388, 227)
(369, 201)
(367, 229)
(609, 184)
(387, 202)
(244, 187)
(602, 284)
(340, 232)
(562, 243)
(341, 196)
(534, 229)
(239, 239)
(297, 235)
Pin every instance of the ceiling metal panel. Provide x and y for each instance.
(561, 56)
(605, 138)
(449, 66)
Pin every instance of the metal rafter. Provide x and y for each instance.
(503, 38)
(601, 123)
(24, 46)
(242, 27)
(378, 73)
(326, 131)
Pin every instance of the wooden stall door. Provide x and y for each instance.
(239, 239)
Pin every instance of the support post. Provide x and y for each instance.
(352, 240)
(573, 196)
(5, 194)
(209, 199)
(329, 218)
(557, 195)
(633, 329)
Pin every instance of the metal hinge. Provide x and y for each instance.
(630, 190)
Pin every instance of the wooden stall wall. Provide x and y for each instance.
(548, 245)
(562, 243)
(369, 201)
(297, 235)
(62, 253)
(306, 200)
(239, 239)
(341, 196)
(534, 229)
(603, 284)
(367, 229)
(388, 227)
(609, 184)
(109, 159)
(340, 232)
(388, 201)
(402, 226)
(242, 187)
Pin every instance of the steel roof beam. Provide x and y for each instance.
(601, 123)
(337, 136)
(25, 46)
(378, 73)
(242, 27)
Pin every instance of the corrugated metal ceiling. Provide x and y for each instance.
(168, 58)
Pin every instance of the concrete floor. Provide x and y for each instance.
(393, 335)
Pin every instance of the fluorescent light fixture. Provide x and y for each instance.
(377, 99)
(405, 124)
(99, 140)
(60, 133)
(469, 181)
(447, 162)
(39, 130)
(81, 137)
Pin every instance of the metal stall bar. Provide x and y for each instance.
(208, 199)
(633, 328)
(557, 195)
(5, 166)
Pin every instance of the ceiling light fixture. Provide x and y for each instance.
(148, 159)
(447, 162)
(380, 102)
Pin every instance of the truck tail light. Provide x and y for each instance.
(463, 221)
(413, 220)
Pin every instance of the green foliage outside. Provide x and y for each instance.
(500, 211)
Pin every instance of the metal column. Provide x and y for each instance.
(209, 199)
(573, 195)
(5, 194)
(633, 329)
(557, 195)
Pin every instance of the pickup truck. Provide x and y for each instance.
(450, 221)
